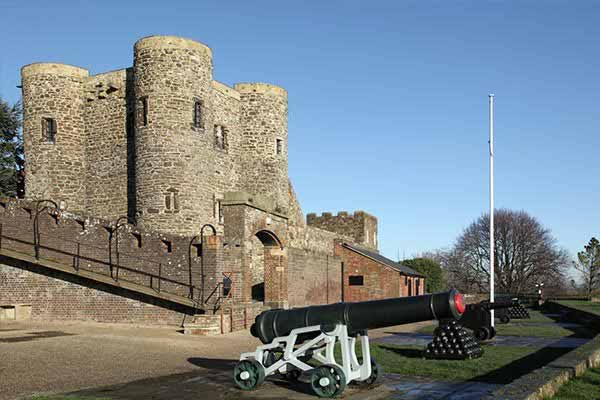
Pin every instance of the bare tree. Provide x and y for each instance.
(588, 265)
(525, 253)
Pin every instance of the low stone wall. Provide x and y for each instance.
(545, 382)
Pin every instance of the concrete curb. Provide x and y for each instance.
(545, 382)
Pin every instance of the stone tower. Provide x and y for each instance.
(54, 133)
(173, 125)
(264, 116)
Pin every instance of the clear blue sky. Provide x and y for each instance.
(388, 99)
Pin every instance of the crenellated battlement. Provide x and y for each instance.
(359, 225)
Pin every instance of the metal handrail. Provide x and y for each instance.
(77, 257)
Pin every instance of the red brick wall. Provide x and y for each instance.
(140, 250)
(314, 278)
(379, 281)
(53, 298)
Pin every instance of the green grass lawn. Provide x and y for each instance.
(582, 305)
(520, 327)
(511, 329)
(499, 364)
(536, 316)
(585, 387)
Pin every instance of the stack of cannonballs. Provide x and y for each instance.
(518, 312)
(452, 342)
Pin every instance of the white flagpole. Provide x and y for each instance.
(491, 96)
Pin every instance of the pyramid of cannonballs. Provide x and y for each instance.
(518, 312)
(452, 342)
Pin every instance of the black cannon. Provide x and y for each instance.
(478, 317)
(292, 337)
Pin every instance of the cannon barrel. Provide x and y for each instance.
(360, 316)
(499, 304)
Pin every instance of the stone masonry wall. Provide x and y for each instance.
(264, 118)
(360, 226)
(55, 169)
(108, 110)
(170, 75)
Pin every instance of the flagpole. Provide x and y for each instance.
(491, 97)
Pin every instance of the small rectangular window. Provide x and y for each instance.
(279, 146)
(137, 240)
(355, 280)
(220, 137)
(49, 129)
(171, 200)
(198, 114)
(220, 212)
(168, 246)
(144, 111)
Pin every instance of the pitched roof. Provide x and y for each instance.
(403, 269)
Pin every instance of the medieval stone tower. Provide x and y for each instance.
(161, 142)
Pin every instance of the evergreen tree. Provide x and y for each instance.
(11, 151)
(588, 264)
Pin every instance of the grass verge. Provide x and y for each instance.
(582, 305)
(585, 387)
(499, 364)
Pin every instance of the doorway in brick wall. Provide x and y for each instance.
(265, 260)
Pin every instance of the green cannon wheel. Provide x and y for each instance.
(248, 374)
(372, 379)
(328, 381)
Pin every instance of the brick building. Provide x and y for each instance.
(166, 176)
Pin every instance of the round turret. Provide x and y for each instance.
(54, 132)
(264, 116)
(173, 123)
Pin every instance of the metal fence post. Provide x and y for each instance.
(159, 275)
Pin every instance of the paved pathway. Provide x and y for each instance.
(421, 339)
(411, 388)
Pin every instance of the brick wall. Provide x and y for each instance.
(167, 256)
(314, 278)
(58, 299)
(378, 280)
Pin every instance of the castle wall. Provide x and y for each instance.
(108, 111)
(264, 112)
(360, 226)
(170, 75)
(224, 164)
(296, 216)
(55, 168)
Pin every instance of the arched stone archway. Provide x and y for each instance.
(268, 280)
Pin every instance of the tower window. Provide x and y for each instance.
(220, 137)
(218, 208)
(198, 114)
(172, 200)
(144, 111)
(355, 280)
(49, 129)
(279, 146)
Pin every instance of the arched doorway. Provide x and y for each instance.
(265, 267)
